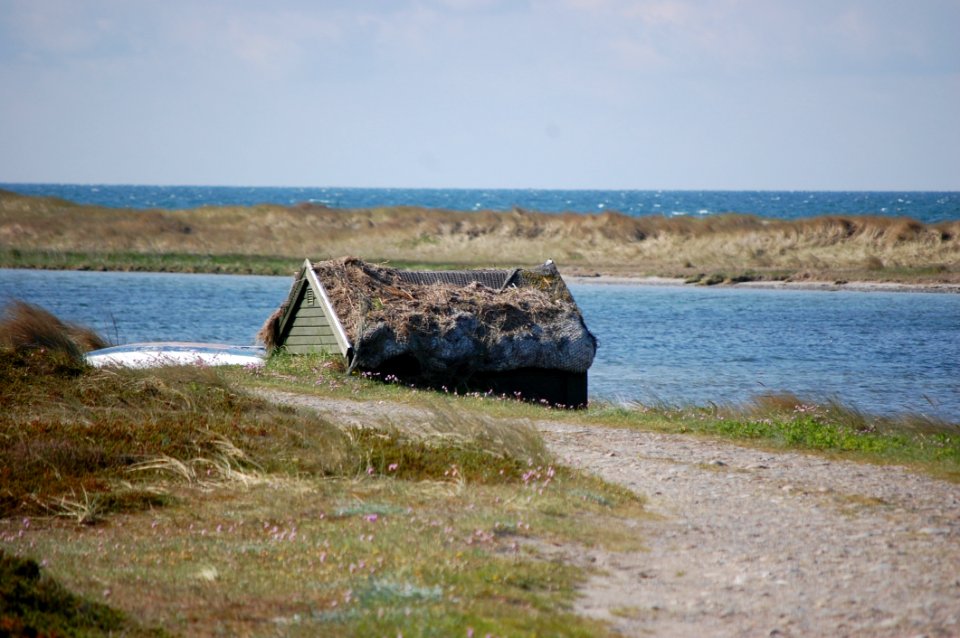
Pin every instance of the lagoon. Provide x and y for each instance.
(879, 352)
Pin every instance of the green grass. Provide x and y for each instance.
(148, 262)
(785, 422)
(305, 531)
(341, 557)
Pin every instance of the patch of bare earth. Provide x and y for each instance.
(754, 543)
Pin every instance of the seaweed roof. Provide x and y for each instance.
(456, 323)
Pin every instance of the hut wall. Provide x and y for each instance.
(556, 387)
(309, 330)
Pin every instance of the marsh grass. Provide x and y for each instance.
(354, 557)
(70, 431)
(77, 439)
(178, 497)
(44, 232)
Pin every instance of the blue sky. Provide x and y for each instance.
(659, 94)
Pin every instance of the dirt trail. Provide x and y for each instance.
(752, 543)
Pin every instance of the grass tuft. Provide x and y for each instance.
(25, 327)
(186, 499)
(72, 432)
(416, 459)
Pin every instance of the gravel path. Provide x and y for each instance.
(753, 543)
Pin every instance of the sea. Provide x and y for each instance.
(883, 353)
(924, 206)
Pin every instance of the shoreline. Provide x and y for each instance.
(606, 279)
(822, 286)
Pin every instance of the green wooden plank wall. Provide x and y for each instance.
(310, 331)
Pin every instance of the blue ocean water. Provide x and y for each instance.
(883, 353)
(927, 207)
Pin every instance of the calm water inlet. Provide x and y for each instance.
(883, 353)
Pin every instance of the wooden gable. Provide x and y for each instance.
(310, 324)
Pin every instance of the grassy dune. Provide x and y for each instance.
(46, 232)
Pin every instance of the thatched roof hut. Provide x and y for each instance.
(515, 332)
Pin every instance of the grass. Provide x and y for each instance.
(26, 328)
(786, 422)
(228, 264)
(49, 233)
(176, 497)
(781, 421)
(359, 557)
(33, 604)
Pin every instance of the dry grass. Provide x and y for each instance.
(278, 523)
(25, 326)
(865, 247)
(71, 434)
(82, 442)
(180, 500)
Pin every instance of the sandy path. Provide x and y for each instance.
(751, 543)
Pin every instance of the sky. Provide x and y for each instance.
(579, 94)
